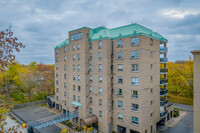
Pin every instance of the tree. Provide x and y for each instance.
(8, 45)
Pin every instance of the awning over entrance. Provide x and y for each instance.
(76, 104)
(89, 120)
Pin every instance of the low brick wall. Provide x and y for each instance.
(24, 105)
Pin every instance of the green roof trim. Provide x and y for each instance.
(64, 43)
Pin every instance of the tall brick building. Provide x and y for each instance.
(118, 76)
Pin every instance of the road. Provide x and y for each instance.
(186, 124)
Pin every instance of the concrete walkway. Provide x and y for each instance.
(177, 119)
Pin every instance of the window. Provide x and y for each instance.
(90, 78)
(56, 51)
(79, 78)
(100, 68)
(79, 99)
(65, 76)
(56, 75)
(151, 91)
(134, 67)
(135, 107)
(120, 67)
(65, 86)
(90, 89)
(100, 102)
(134, 94)
(100, 79)
(100, 91)
(134, 81)
(151, 129)
(64, 67)
(74, 87)
(90, 57)
(146, 131)
(119, 55)
(56, 89)
(151, 103)
(151, 115)
(100, 56)
(56, 67)
(90, 67)
(100, 113)
(79, 88)
(120, 116)
(134, 41)
(74, 98)
(120, 79)
(76, 36)
(134, 120)
(90, 47)
(74, 67)
(90, 111)
(65, 58)
(74, 47)
(120, 92)
(79, 67)
(151, 54)
(65, 102)
(119, 43)
(56, 97)
(74, 77)
(78, 46)
(90, 100)
(120, 104)
(65, 94)
(78, 56)
(56, 59)
(134, 54)
(151, 78)
(64, 49)
(151, 41)
(56, 82)
(100, 44)
(74, 56)
(151, 66)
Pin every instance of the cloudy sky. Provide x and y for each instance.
(43, 24)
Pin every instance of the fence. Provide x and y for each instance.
(24, 105)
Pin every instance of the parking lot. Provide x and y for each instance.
(35, 113)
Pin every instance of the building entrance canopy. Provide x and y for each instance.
(89, 120)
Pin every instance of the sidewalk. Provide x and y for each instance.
(182, 114)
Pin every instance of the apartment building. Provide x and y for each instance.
(116, 77)
(196, 71)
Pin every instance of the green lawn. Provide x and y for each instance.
(179, 99)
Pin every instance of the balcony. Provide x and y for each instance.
(163, 114)
(163, 92)
(163, 60)
(163, 102)
(163, 81)
(169, 105)
(163, 71)
(163, 49)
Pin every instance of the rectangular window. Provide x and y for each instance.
(74, 67)
(134, 67)
(56, 51)
(90, 67)
(65, 76)
(56, 67)
(79, 88)
(79, 67)
(134, 41)
(119, 55)
(90, 47)
(64, 67)
(74, 77)
(120, 79)
(134, 80)
(151, 115)
(120, 116)
(90, 100)
(119, 43)
(134, 54)
(78, 56)
(135, 107)
(78, 46)
(56, 75)
(74, 56)
(100, 79)
(90, 57)
(74, 47)
(151, 91)
(151, 66)
(151, 103)
(56, 59)
(76, 36)
(120, 92)
(56, 82)
(151, 54)
(74, 87)
(56, 97)
(100, 102)
(100, 67)
(120, 67)
(79, 99)
(90, 89)
(134, 120)
(79, 78)
(65, 94)
(151, 41)
(65, 58)
(74, 98)
(151, 78)
(64, 49)
(90, 78)
(134, 94)
(100, 113)
(100, 56)
(120, 104)
(100, 91)
(65, 86)
(90, 111)
(100, 44)
(56, 89)
(65, 102)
